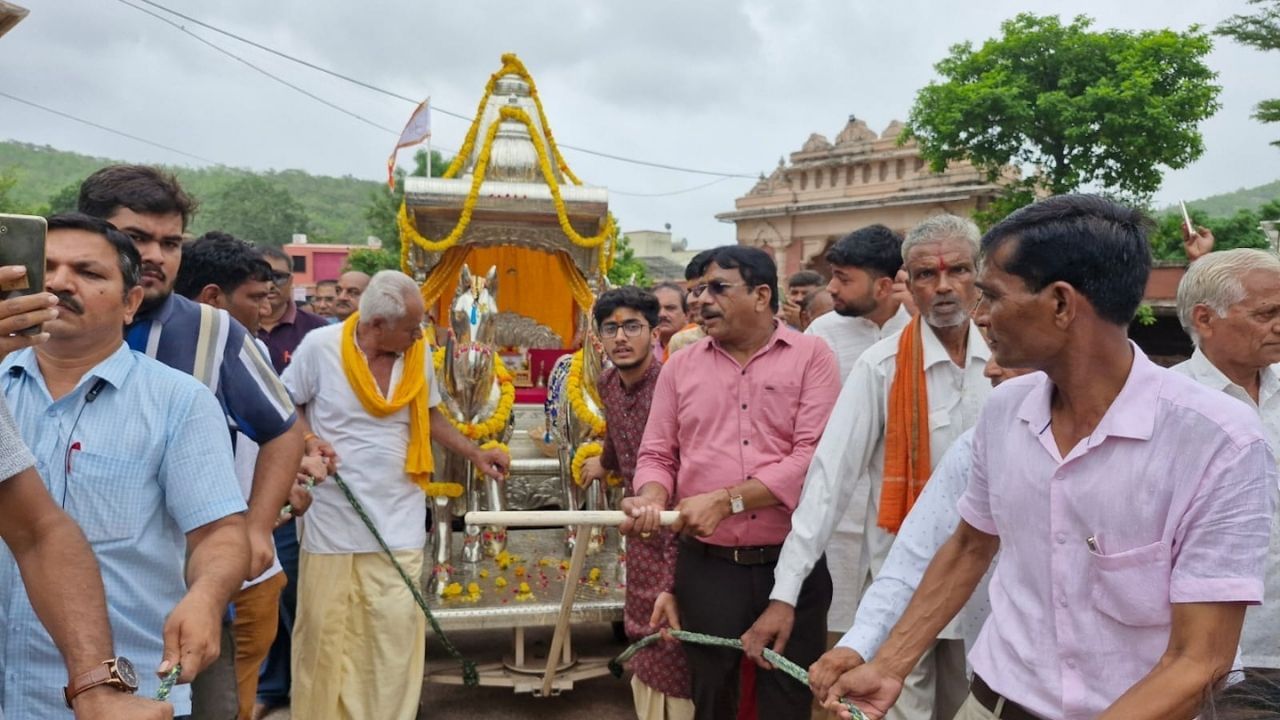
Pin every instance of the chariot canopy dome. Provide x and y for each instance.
(509, 199)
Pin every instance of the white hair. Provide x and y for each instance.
(942, 226)
(1217, 282)
(386, 294)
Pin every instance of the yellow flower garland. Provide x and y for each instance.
(407, 228)
(585, 452)
(577, 397)
(495, 423)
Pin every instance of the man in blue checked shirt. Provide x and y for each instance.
(138, 455)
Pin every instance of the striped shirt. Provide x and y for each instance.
(210, 345)
(137, 454)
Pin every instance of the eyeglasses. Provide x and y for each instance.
(717, 287)
(630, 328)
(281, 278)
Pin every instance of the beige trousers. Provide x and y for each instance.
(359, 640)
(653, 705)
(973, 710)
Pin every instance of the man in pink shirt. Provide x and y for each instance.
(733, 425)
(1130, 504)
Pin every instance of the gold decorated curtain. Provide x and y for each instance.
(532, 283)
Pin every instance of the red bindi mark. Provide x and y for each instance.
(942, 265)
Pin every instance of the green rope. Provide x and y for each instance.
(470, 675)
(284, 511)
(778, 661)
(167, 682)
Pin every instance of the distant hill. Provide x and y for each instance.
(334, 206)
(1226, 204)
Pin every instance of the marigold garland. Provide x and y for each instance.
(578, 397)
(585, 452)
(493, 426)
(407, 228)
(443, 489)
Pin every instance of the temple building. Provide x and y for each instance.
(830, 189)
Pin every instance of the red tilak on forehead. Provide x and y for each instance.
(942, 264)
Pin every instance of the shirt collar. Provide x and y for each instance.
(290, 315)
(782, 333)
(650, 376)
(1206, 373)
(1132, 413)
(114, 368)
(935, 353)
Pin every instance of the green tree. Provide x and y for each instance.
(8, 204)
(1232, 231)
(380, 212)
(1104, 109)
(370, 261)
(626, 266)
(254, 209)
(1261, 31)
(66, 199)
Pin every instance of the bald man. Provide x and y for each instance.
(351, 286)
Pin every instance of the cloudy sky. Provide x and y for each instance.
(712, 85)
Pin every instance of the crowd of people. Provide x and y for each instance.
(942, 479)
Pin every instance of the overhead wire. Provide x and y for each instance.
(111, 130)
(398, 96)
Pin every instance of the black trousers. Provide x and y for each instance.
(718, 597)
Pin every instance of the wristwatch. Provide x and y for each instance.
(117, 672)
(736, 504)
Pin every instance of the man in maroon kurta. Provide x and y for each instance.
(626, 319)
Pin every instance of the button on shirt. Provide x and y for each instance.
(372, 450)
(853, 448)
(144, 463)
(1173, 489)
(849, 337)
(714, 423)
(928, 526)
(1260, 638)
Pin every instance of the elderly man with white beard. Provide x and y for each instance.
(925, 381)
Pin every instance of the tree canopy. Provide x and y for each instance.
(1261, 31)
(380, 212)
(1071, 106)
(253, 209)
(626, 266)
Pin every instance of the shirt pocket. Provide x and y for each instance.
(1132, 587)
(777, 404)
(109, 496)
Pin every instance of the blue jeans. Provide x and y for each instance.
(274, 679)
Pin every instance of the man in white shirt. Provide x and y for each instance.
(1229, 303)
(932, 521)
(359, 640)
(940, 256)
(863, 266)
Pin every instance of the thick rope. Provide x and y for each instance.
(778, 661)
(470, 675)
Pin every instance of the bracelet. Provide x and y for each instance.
(309, 437)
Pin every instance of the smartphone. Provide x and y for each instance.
(22, 241)
(1186, 219)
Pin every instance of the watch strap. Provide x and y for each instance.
(102, 674)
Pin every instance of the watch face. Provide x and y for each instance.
(126, 673)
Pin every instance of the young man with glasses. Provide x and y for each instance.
(628, 321)
(734, 423)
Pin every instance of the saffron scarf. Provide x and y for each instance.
(412, 391)
(906, 445)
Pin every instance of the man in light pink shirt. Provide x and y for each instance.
(733, 425)
(1130, 504)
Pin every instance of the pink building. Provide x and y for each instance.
(313, 262)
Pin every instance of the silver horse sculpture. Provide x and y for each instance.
(471, 393)
(568, 433)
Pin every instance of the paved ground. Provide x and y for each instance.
(605, 698)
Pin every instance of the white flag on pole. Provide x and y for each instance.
(415, 131)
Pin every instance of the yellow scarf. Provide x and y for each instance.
(412, 391)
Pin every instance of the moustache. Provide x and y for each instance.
(69, 301)
(154, 269)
